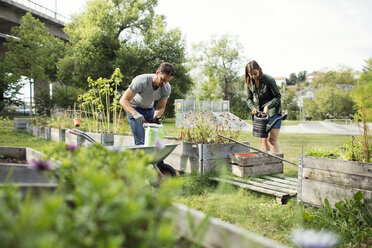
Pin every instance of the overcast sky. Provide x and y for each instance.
(284, 36)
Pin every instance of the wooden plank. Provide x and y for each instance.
(258, 160)
(280, 180)
(32, 154)
(349, 180)
(292, 179)
(352, 167)
(265, 185)
(252, 187)
(18, 173)
(256, 170)
(314, 192)
(278, 184)
(216, 233)
(222, 151)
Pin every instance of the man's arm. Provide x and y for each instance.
(125, 101)
(160, 107)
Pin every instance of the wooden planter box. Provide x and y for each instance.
(203, 158)
(262, 164)
(57, 135)
(44, 132)
(106, 139)
(215, 232)
(123, 140)
(29, 128)
(19, 174)
(20, 123)
(334, 179)
(35, 130)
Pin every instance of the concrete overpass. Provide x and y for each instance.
(11, 12)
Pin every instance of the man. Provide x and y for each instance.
(138, 99)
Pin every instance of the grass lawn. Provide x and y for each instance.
(255, 212)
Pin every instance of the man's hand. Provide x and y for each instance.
(139, 118)
(266, 109)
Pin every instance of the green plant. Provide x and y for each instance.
(97, 106)
(351, 218)
(362, 97)
(61, 119)
(352, 149)
(203, 128)
(324, 153)
(103, 199)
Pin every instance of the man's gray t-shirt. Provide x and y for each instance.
(145, 93)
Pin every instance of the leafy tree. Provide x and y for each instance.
(219, 60)
(35, 51)
(344, 76)
(289, 104)
(301, 77)
(125, 34)
(32, 51)
(338, 103)
(9, 86)
(292, 79)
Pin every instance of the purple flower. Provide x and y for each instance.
(71, 148)
(40, 165)
(159, 144)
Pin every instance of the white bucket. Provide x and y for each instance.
(154, 134)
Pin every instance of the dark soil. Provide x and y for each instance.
(12, 160)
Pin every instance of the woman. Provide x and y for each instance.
(264, 96)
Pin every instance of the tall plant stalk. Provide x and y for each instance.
(97, 102)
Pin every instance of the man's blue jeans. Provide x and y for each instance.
(137, 128)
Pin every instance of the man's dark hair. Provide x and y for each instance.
(167, 68)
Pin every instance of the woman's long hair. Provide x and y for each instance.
(252, 65)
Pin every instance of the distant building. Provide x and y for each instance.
(280, 81)
(310, 77)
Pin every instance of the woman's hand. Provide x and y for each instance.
(254, 111)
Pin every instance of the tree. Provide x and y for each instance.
(338, 103)
(220, 60)
(32, 51)
(9, 86)
(302, 76)
(344, 76)
(292, 79)
(125, 34)
(289, 104)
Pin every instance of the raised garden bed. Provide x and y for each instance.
(255, 164)
(203, 158)
(14, 170)
(334, 179)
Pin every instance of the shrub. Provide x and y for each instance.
(103, 199)
(351, 218)
(204, 129)
(352, 149)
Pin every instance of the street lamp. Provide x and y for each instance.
(310, 95)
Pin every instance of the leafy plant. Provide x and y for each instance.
(351, 218)
(352, 150)
(362, 97)
(323, 153)
(61, 119)
(97, 106)
(103, 199)
(203, 128)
